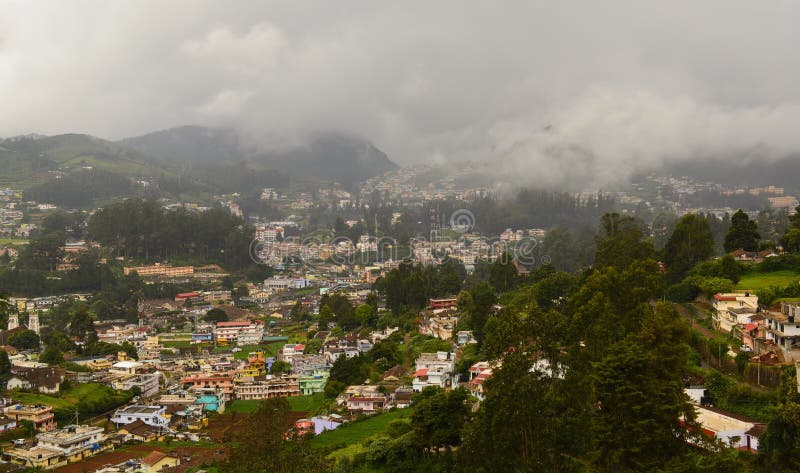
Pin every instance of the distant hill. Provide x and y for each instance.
(32, 159)
(190, 144)
(185, 161)
(323, 156)
(750, 172)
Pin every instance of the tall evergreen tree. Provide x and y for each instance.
(621, 242)
(743, 233)
(690, 243)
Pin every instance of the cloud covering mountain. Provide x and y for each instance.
(568, 93)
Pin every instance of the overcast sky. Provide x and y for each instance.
(544, 89)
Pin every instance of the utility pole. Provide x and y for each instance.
(759, 372)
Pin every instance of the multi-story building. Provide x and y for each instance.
(314, 383)
(783, 328)
(270, 388)
(222, 381)
(289, 351)
(71, 444)
(214, 296)
(159, 270)
(41, 415)
(155, 416)
(435, 369)
(146, 383)
(239, 333)
(733, 309)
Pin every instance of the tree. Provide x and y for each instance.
(483, 300)
(279, 367)
(439, 416)
(743, 233)
(5, 310)
(241, 291)
(621, 243)
(298, 313)
(643, 417)
(350, 370)
(130, 350)
(503, 275)
(24, 340)
(5, 368)
(52, 356)
(690, 243)
(729, 268)
(781, 442)
(325, 317)
(791, 238)
(552, 291)
(262, 446)
(216, 315)
(366, 315)
(81, 323)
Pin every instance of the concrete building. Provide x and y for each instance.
(146, 383)
(733, 430)
(239, 333)
(151, 415)
(435, 369)
(71, 444)
(159, 270)
(42, 416)
(267, 389)
(783, 328)
(733, 309)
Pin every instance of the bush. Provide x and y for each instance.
(684, 291)
(398, 427)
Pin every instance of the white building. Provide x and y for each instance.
(733, 430)
(151, 415)
(147, 383)
(125, 368)
(783, 328)
(435, 369)
(239, 333)
(733, 309)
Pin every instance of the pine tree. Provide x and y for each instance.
(743, 233)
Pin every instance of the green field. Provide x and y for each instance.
(270, 349)
(760, 281)
(311, 404)
(13, 241)
(90, 399)
(356, 432)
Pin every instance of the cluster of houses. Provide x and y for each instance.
(761, 331)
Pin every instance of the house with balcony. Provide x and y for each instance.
(733, 309)
(783, 329)
(71, 444)
(40, 415)
(238, 333)
(366, 405)
(214, 380)
(435, 369)
(147, 384)
(314, 383)
(155, 416)
(267, 389)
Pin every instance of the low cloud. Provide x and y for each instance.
(564, 94)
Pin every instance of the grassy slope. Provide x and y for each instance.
(759, 281)
(13, 241)
(311, 404)
(64, 404)
(356, 432)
